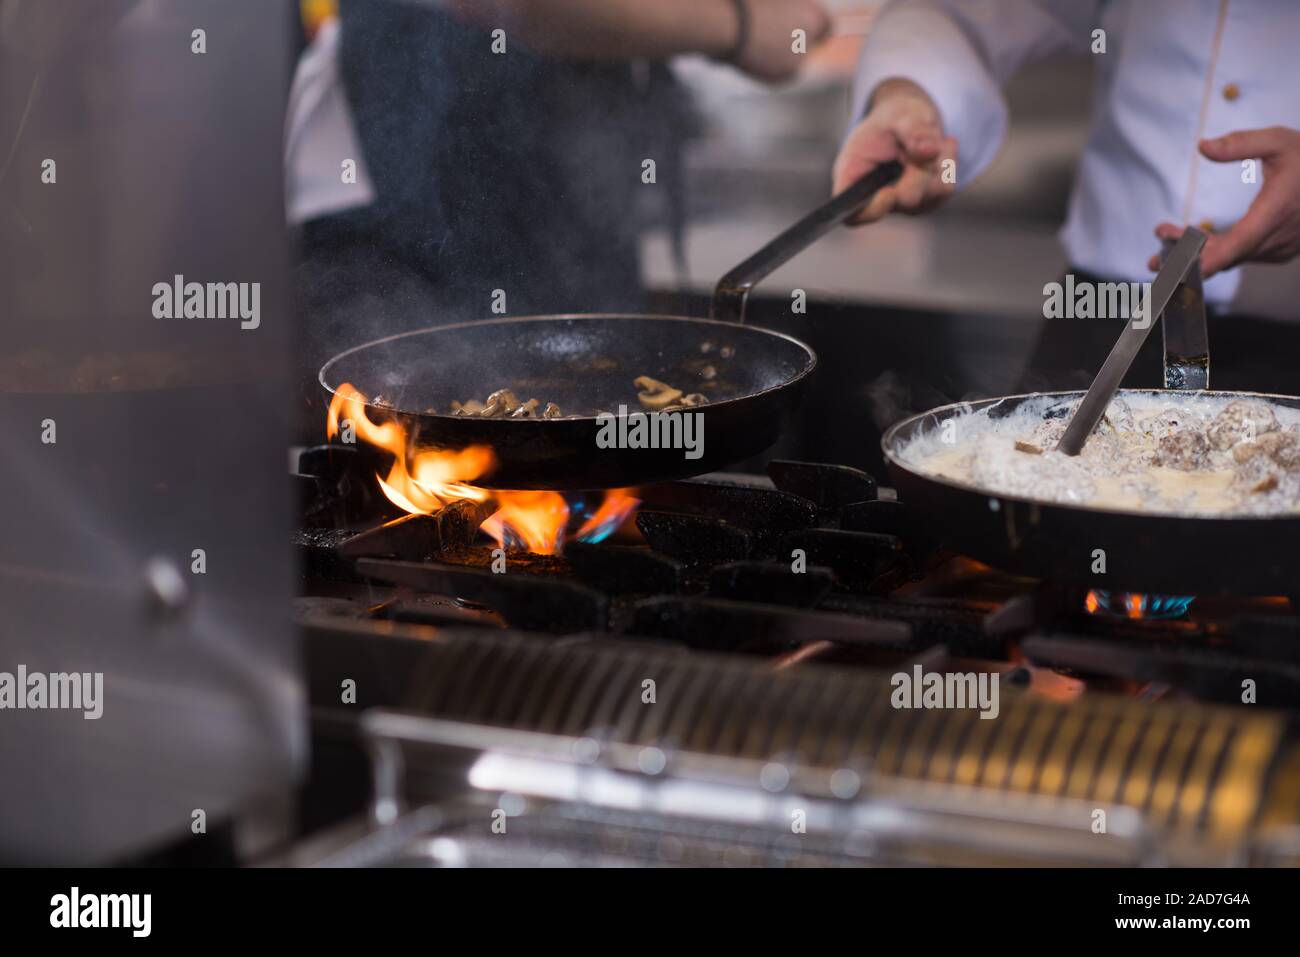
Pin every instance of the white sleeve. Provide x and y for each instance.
(319, 133)
(961, 52)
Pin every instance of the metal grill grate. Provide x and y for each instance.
(1187, 767)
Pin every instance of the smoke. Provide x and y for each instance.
(890, 398)
(505, 185)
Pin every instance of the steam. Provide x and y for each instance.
(891, 399)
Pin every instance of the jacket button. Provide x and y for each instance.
(1231, 92)
(1205, 226)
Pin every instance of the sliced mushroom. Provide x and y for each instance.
(552, 411)
(470, 407)
(694, 399)
(500, 402)
(655, 394)
(1028, 447)
(1266, 484)
(527, 410)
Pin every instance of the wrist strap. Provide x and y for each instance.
(743, 20)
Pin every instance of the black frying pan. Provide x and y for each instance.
(751, 377)
(1170, 555)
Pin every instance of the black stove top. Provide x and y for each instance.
(775, 614)
(811, 561)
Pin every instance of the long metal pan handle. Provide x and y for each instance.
(732, 291)
(1186, 335)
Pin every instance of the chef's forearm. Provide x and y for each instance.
(923, 44)
(960, 52)
(608, 29)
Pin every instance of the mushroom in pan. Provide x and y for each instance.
(500, 402)
(655, 394)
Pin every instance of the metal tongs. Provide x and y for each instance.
(1177, 299)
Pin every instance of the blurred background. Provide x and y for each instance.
(762, 156)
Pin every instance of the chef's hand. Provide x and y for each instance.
(902, 123)
(1270, 230)
(768, 53)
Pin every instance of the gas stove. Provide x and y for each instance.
(781, 668)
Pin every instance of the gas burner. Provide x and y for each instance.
(1138, 606)
(477, 613)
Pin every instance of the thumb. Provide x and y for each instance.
(866, 148)
(1242, 144)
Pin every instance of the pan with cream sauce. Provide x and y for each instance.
(1193, 454)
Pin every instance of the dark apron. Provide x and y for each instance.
(512, 172)
(501, 171)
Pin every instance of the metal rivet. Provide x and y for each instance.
(652, 761)
(166, 587)
(774, 777)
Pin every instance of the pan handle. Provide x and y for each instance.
(732, 291)
(1187, 339)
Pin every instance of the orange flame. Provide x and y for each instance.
(436, 477)
(1136, 606)
(619, 503)
(536, 520)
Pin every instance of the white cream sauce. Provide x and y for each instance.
(1191, 456)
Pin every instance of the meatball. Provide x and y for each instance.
(1119, 415)
(1280, 447)
(1047, 434)
(1240, 420)
(1185, 449)
(1169, 421)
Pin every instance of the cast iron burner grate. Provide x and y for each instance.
(812, 561)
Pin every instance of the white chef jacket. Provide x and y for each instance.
(319, 134)
(1173, 71)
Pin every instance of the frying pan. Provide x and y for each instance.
(1172, 555)
(752, 377)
